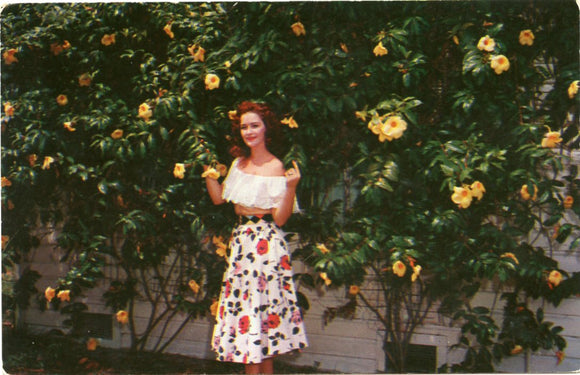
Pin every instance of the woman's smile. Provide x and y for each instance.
(252, 129)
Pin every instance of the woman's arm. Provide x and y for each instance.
(214, 188)
(282, 213)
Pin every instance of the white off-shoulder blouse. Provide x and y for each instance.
(250, 190)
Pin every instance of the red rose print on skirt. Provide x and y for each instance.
(285, 262)
(262, 247)
(244, 324)
(273, 321)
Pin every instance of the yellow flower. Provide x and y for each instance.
(199, 55)
(6, 182)
(361, 115)
(290, 122)
(222, 169)
(298, 29)
(69, 126)
(108, 39)
(122, 316)
(526, 37)
(179, 170)
(92, 344)
(399, 268)
(232, 114)
(568, 201)
(49, 293)
(48, 160)
(118, 133)
(516, 350)
(145, 111)
(84, 80)
(194, 286)
(380, 50)
(500, 64)
(354, 290)
(66, 44)
(168, 31)
(9, 57)
(62, 100)
(64, 295)
(511, 256)
(228, 64)
(214, 308)
(222, 248)
(486, 44)
(524, 192)
(393, 127)
(573, 89)
(461, 196)
(455, 39)
(211, 173)
(323, 249)
(212, 81)
(324, 277)
(9, 109)
(416, 272)
(477, 190)
(551, 139)
(343, 47)
(555, 278)
(32, 158)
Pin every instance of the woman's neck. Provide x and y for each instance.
(260, 155)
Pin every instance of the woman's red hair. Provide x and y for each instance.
(239, 148)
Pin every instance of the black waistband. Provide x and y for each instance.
(254, 219)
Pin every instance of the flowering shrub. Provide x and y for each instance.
(428, 115)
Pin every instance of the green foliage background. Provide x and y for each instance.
(116, 201)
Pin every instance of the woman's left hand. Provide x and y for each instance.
(292, 175)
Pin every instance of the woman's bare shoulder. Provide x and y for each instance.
(275, 167)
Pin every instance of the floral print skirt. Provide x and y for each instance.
(257, 316)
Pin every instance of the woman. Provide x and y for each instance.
(258, 317)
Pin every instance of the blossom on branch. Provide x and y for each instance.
(500, 64)
(380, 50)
(486, 44)
(462, 196)
(526, 37)
(298, 29)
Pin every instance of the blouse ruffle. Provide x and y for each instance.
(249, 190)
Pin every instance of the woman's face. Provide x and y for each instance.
(252, 129)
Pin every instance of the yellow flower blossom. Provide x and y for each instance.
(343, 47)
(92, 344)
(399, 268)
(6, 182)
(461, 196)
(122, 316)
(145, 111)
(568, 202)
(49, 293)
(416, 272)
(486, 44)
(56, 49)
(525, 193)
(380, 50)
(573, 89)
(477, 190)
(222, 248)
(211, 173)
(62, 100)
(64, 295)
(9, 109)
(214, 308)
(108, 39)
(511, 256)
(179, 170)
(66, 44)
(69, 126)
(212, 81)
(222, 169)
(555, 278)
(298, 29)
(326, 279)
(526, 37)
(168, 31)
(48, 160)
(354, 290)
(551, 139)
(32, 158)
(118, 133)
(290, 122)
(9, 56)
(228, 64)
(361, 115)
(85, 80)
(500, 64)
(323, 249)
(232, 114)
(455, 39)
(516, 350)
(375, 125)
(393, 127)
(194, 286)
